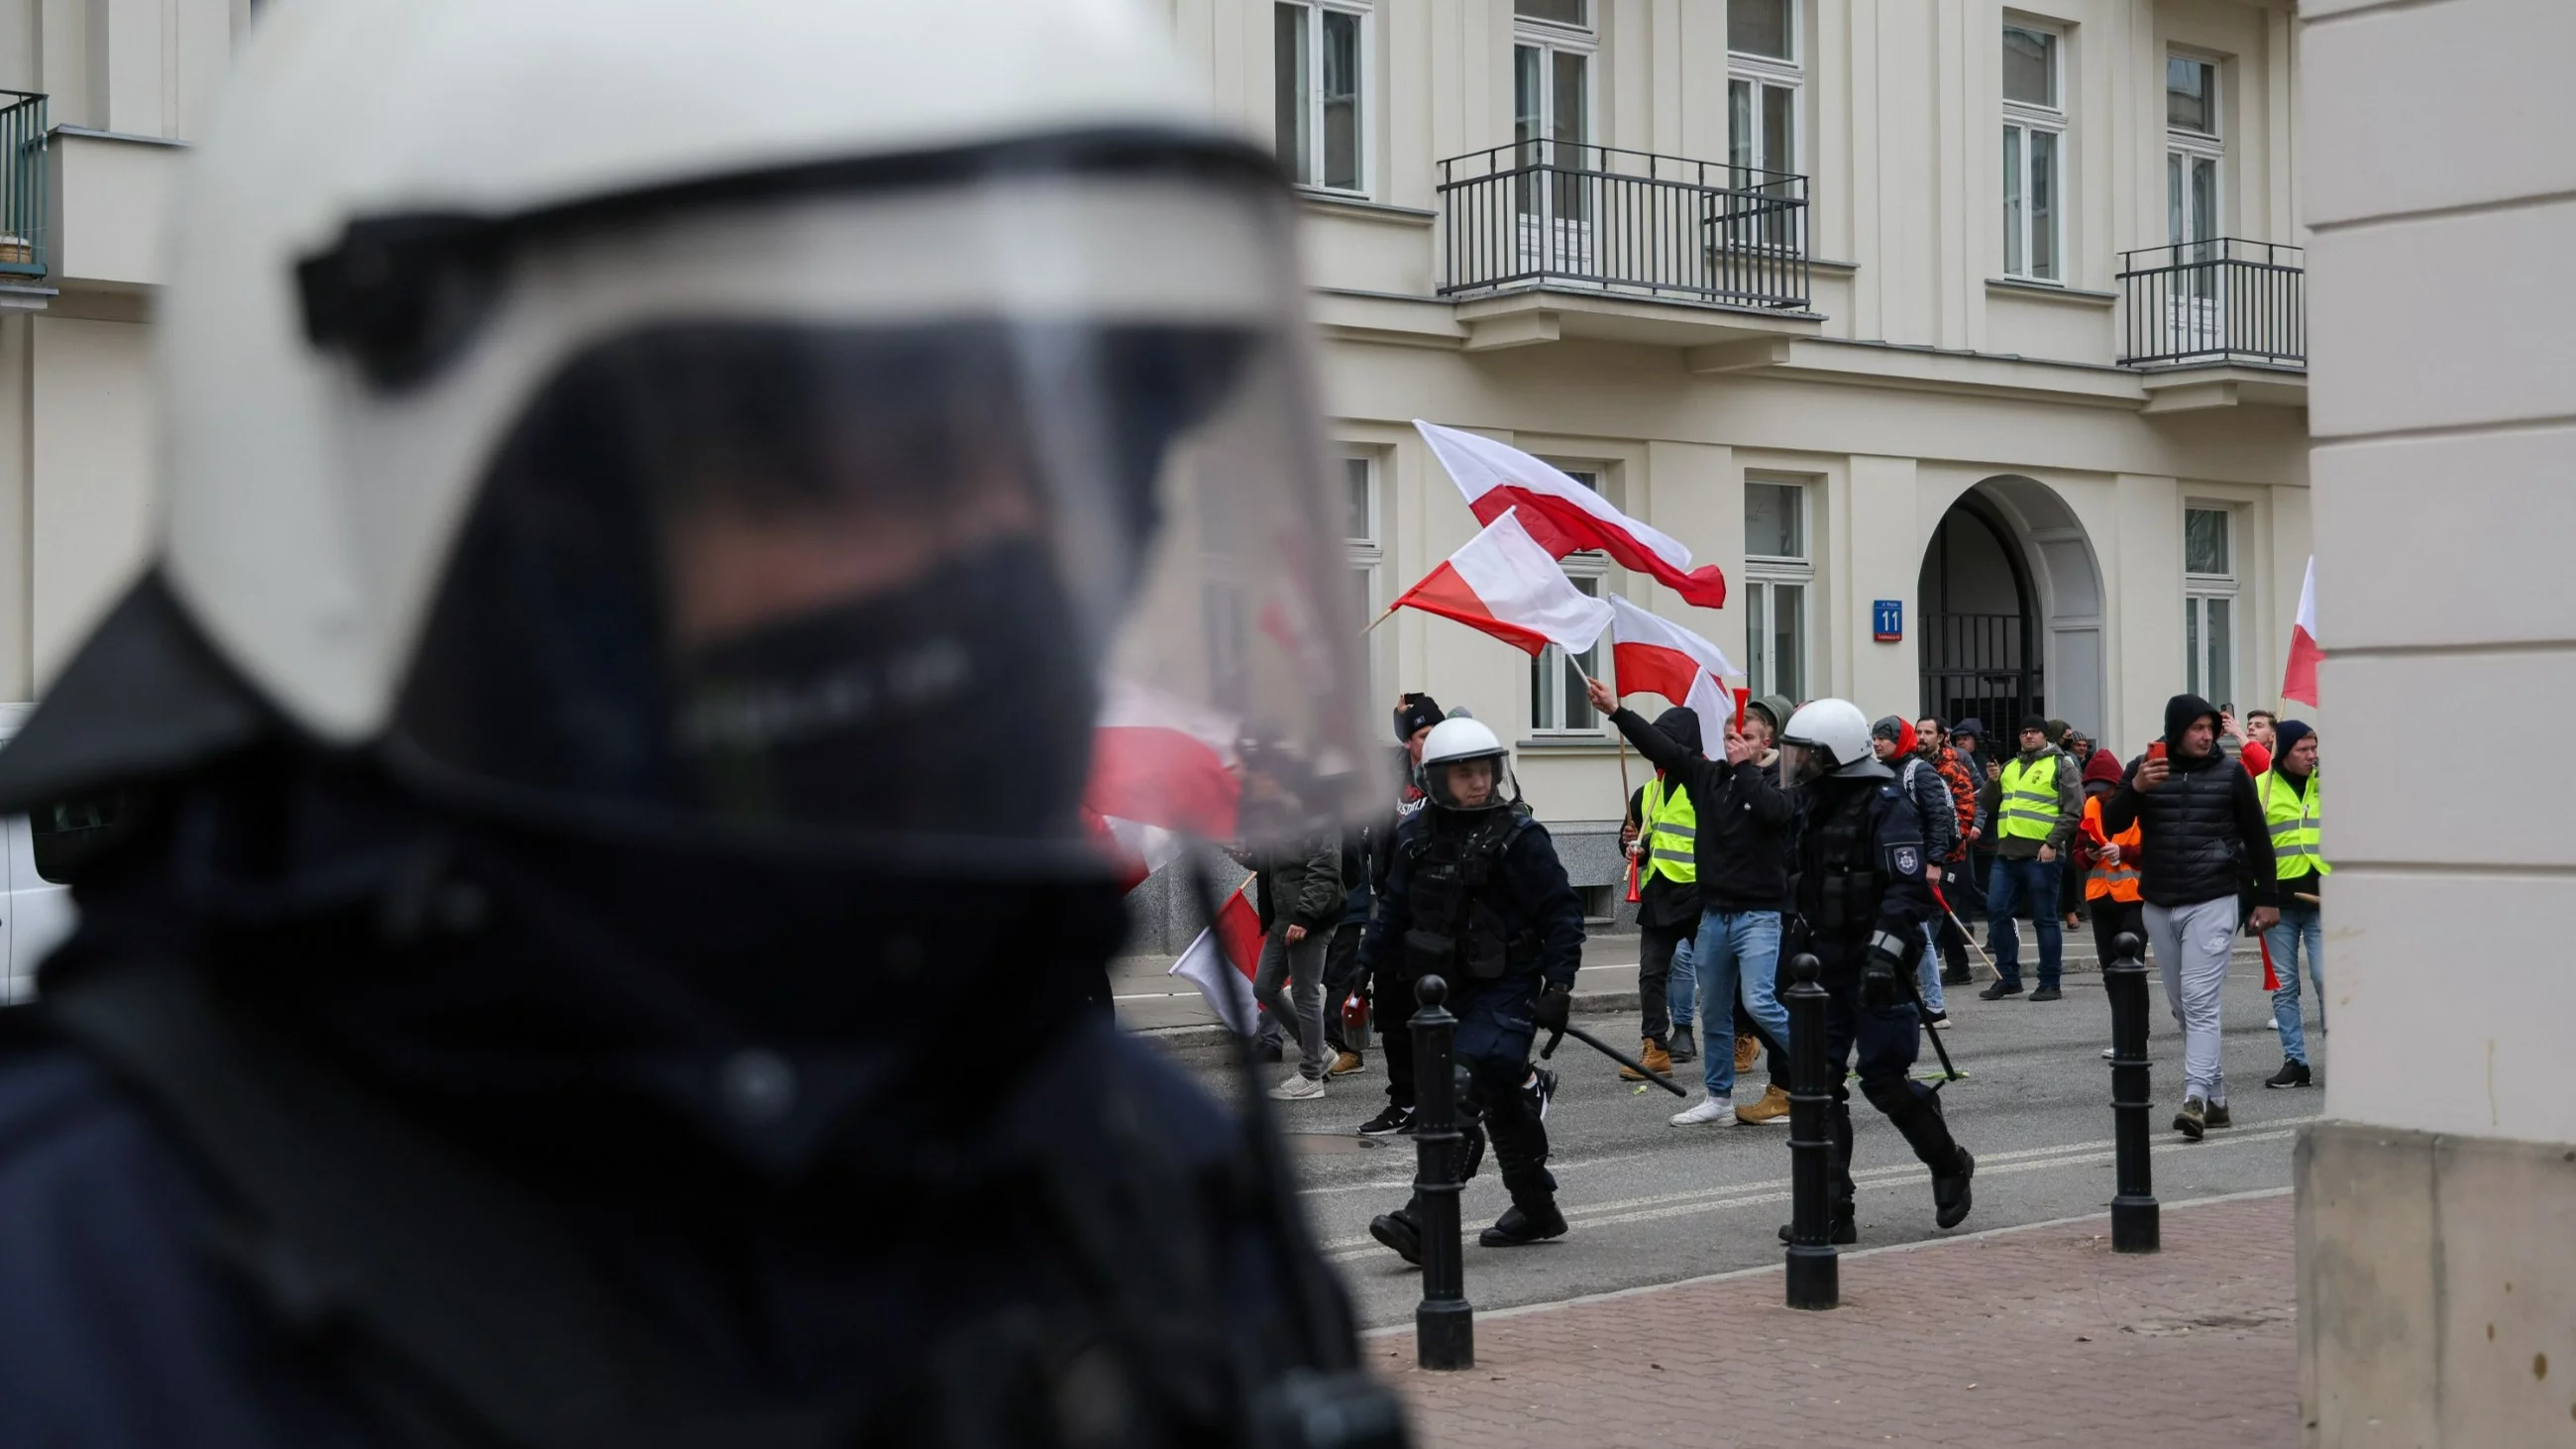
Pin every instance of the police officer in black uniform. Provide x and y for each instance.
(1858, 902)
(1478, 898)
(639, 612)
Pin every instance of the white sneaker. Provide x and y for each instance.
(1711, 1112)
(1298, 1088)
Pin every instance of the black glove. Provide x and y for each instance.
(1878, 986)
(1555, 1006)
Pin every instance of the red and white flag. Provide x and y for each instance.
(1160, 761)
(1658, 657)
(2299, 681)
(1220, 962)
(1563, 515)
(1503, 583)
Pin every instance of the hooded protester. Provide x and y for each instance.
(2292, 805)
(1667, 902)
(2202, 838)
(1893, 740)
(2035, 803)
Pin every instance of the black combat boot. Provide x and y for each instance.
(1400, 1230)
(1950, 1196)
(1842, 1232)
(1521, 1225)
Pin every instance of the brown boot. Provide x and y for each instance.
(1652, 1056)
(1774, 1107)
(1748, 1050)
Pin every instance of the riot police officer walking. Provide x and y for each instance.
(1478, 897)
(1859, 901)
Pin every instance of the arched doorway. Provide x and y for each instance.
(2010, 600)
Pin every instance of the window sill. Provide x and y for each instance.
(2053, 291)
(1568, 744)
(1352, 204)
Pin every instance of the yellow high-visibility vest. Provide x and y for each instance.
(2027, 809)
(2292, 816)
(1669, 824)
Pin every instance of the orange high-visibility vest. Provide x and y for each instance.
(2119, 882)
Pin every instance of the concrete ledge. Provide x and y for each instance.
(2434, 1288)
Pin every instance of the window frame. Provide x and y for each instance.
(1364, 553)
(1759, 74)
(2199, 590)
(2021, 119)
(1548, 678)
(2217, 133)
(1794, 62)
(1765, 575)
(1363, 135)
(2184, 148)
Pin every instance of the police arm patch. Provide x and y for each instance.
(1908, 860)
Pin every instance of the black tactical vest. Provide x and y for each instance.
(1838, 888)
(1458, 930)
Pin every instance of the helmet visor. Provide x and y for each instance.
(1478, 782)
(1800, 763)
(954, 568)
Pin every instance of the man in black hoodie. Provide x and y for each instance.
(1745, 825)
(2202, 841)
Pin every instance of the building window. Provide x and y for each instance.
(1762, 82)
(2034, 137)
(1364, 551)
(1321, 58)
(1557, 702)
(1779, 573)
(2209, 604)
(2193, 151)
(1574, 13)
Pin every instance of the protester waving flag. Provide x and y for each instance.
(1504, 584)
(1564, 516)
(1220, 962)
(1659, 657)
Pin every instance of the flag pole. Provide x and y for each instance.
(1382, 618)
(1616, 734)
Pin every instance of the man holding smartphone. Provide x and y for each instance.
(2201, 834)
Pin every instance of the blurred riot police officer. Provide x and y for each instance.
(1477, 897)
(1859, 901)
(651, 525)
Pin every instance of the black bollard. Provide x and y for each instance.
(1815, 1274)
(2133, 1212)
(1444, 1325)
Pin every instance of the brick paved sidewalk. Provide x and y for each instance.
(2040, 1336)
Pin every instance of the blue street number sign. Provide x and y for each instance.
(1887, 620)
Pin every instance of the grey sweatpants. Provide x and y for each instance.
(2191, 944)
(1302, 964)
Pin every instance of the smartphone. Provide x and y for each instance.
(2156, 751)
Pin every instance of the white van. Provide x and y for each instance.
(41, 851)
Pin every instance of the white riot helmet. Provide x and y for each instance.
(1827, 736)
(626, 418)
(1464, 767)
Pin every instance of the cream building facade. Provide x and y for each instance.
(1861, 301)
(2437, 1202)
(1995, 314)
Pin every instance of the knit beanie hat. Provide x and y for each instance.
(1417, 712)
(2287, 733)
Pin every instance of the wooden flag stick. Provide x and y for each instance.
(1615, 733)
(1380, 619)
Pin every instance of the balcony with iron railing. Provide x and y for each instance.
(2223, 302)
(23, 184)
(1558, 216)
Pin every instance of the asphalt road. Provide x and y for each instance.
(1652, 1203)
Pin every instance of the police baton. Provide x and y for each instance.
(1613, 1053)
(1949, 1073)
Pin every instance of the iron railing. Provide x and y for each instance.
(2220, 300)
(23, 185)
(1979, 666)
(1555, 213)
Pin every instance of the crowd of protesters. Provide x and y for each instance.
(2208, 834)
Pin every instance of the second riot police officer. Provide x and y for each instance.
(1858, 902)
(1477, 897)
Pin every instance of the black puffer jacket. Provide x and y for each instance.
(1665, 904)
(2203, 834)
(1745, 824)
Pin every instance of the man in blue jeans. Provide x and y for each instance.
(2292, 806)
(1744, 824)
(2035, 805)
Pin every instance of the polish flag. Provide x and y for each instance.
(1159, 761)
(1503, 583)
(1667, 659)
(1563, 515)
(1220, 962)
(2299, 681)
